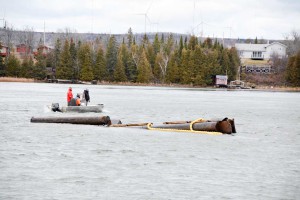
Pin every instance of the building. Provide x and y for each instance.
(220, 80)
(23, 49)
(3, 50)
(256, 58)
(45, 50)
(260, 51)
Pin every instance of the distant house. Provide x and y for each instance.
(255, 58)
(260, 51)
(3, 50)
(45, 50)
(23, 49)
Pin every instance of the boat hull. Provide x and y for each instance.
(83, 109)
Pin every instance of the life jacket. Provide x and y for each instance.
(69, 95)
(78, 102)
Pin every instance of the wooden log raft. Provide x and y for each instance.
(102, 120)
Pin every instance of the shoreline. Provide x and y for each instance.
(171, 85)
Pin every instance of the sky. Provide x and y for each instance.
(264, 19)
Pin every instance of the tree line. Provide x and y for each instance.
(164, 60)
(187, 61)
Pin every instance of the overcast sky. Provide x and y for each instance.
(264, 19)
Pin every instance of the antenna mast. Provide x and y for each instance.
(44, 33)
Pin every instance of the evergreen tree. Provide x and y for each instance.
(100, 70)
(131, 66)
(156, 44)
(111, 56)
(145, 40)
(297, 66)
(185, 42)
(234, 63)
(293, 70)
(144, 70)
(172, 75)
(158, 69)
(13, 66)
(162, 39)
(40, 72)
(169, 46)
(185, 70)
(216, 44)
(24, 67)
(27, 67)
(129, 38)
(73, 53)
(85, 62)
(225, 63)
(192, 43)
(119, 73)
(199, 66)
(150, 55)
(2, 66)
(127, 62)
(180, 46)
(65, 70)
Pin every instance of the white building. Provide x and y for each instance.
(260, 51)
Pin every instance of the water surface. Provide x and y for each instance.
(64, 161)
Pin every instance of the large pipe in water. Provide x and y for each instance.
(102, 120)
(217, 126)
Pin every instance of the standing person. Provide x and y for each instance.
(86, 96)
(69, 96)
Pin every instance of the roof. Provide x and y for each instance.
(276, 43)
(255, 47)
(251, 47)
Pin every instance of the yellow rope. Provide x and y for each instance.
(149, 126)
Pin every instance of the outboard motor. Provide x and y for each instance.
(55, 107)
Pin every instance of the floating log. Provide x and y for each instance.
(217, 126)
(102, 120)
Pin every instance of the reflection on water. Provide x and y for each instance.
(63, 161)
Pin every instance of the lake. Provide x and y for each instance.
(65, 161)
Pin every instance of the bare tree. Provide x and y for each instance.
(278, 63)
(292, 41)
(26, 37)
(8, 38)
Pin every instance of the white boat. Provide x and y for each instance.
(79, 109)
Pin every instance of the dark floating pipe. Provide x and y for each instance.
(102, 120)
(217, 125)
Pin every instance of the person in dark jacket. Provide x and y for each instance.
(86, 96)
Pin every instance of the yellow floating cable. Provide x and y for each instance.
(149, 126)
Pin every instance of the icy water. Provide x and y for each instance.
(64, 161)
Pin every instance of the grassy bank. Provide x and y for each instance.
(13, 79)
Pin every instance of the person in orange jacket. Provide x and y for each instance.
(69, 96)
(78, 100)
